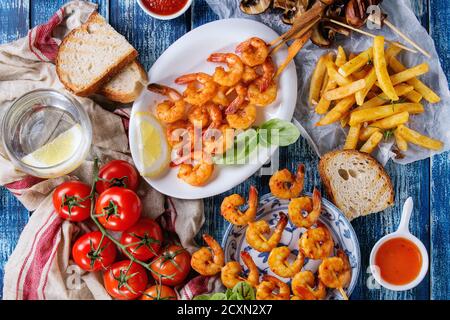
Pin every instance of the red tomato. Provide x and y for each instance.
(159, 292)
(92, 253)
(147, 236)
(173, 264)
(117, 173)
(71, 200)
(118, 208)
(125, 280)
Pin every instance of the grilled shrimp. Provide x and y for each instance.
(313, 208)
(304, 287)
(218, 140)
(201, 88)
(249, 74)
(179, 134)
(256, 230)
(197, 174)
(231, 272)
(208, 261)
(268, 68)
(272, 288)
(280, 266)
(172, 110)
(229, 208)
(284, 185)
(241, 96)
(243, 118)
(236, 68)
(262, 98)
(254, 51)
(317, 243)
(336, 272)
(221, 98)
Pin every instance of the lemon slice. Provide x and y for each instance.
(154, 151)
(60, 149)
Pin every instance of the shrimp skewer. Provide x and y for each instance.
(280, 266)
(243, 118)
(284, 185)
(230, 275)
(304, 287)
(233, 215)
(317, 243)
(254, 51)
(236, 68)
(256, 230)
(194, 95)
(208, 261)
(272, 288)
(298, 205)
(335, 272)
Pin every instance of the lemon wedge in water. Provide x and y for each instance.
(154, 151)
(55, 152)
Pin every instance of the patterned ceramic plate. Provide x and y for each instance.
(343, 235)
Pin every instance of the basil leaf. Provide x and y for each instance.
(244, 290)
(203, 297)
(278, 132)
(218, 296)
(245, 143)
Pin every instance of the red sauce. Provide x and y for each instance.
(164, 7)
(399, 261)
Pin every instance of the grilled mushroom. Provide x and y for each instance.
(356, 11)
(292, 9)
(254, 6)
(324, 33)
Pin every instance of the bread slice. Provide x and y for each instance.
(356, 183)
(89, 56)
(127, 85)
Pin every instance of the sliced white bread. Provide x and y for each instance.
(127, 85)
(356, 183)
(89, 56)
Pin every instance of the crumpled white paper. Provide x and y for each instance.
(435, 122)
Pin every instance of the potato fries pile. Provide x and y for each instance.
(373, 94)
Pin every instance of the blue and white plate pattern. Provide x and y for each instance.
(269, 208)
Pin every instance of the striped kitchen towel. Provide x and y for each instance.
(40, 266)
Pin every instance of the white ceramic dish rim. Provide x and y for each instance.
(288, 79)
(401, 232)
(168, 17)
(327, 205)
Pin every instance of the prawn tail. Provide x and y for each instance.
(216, 57)
(282, 222)
(264, 84)
(317, 200)
(157, 88)
(253, 196)
(234, 105)
(186, 78)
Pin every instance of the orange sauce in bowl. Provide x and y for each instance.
(399, 261)
(164, 7)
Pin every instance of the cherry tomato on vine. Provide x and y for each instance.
(172, 265)
(71, 200)
(159, 292)
(125, 280)
(117, 173)
(118, 208)
(93, 251)
(146, 235)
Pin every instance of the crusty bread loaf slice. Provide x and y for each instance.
(127, 85)
(356, 182)
(89, 56)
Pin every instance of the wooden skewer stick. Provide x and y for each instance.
(344, 295)
(406, 38)
(295, 47)
(300, 34)
(371, 35)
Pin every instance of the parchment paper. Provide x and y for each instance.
(435, 122)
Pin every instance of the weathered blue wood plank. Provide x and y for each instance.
(14, 23)
(440, 170)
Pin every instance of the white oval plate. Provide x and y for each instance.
(344, 237)
(188, 54)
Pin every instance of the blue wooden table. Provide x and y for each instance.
(426, 181)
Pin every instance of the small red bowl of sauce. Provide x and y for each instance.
(165, 9)
(399, 263)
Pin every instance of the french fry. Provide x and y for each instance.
(335, 114)
(317, 80)
(372, 114)
(345, 91)
(379, 62)
(419, 139)
(401, 143)
(418, 85)
(324, 104)
(352, 56)
(409, 74)
(392, 51)
(356, 63)
(360, 74)
(341, 57)
(381, 99)
(370, 78)
(344, 120)
(414, 96)
(372, 143)
(326, 79)
(384, 124)
(335, 75)
(352, 138)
